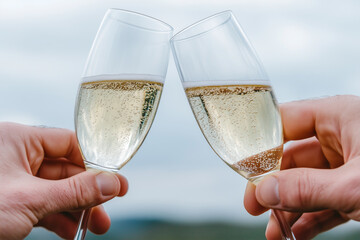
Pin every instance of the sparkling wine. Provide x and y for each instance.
(113, 116)
(242, 124)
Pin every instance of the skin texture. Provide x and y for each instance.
(43, 183)
(319, 185)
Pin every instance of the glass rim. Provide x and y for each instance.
(166, 28)
(177, 36)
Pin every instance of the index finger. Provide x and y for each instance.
(298, 119)
(59, 143)
(317, 117)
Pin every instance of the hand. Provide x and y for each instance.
(320, 186)
(43, 183)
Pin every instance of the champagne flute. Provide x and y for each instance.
(231, 98)
(120, 90)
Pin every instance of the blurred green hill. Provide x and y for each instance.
(154, 229)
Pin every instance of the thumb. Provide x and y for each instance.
(304, 189)
(84, 190)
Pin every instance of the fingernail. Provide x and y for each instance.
(269, 191)
(106, 183)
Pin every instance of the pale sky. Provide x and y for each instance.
(309, 49)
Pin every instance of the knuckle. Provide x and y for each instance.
(304, 191)
(304, 184)
(83, 196)
(311, 190)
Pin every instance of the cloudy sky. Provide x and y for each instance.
(309, 48)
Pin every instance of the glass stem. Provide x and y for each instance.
(82, 227)
(285, 228)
